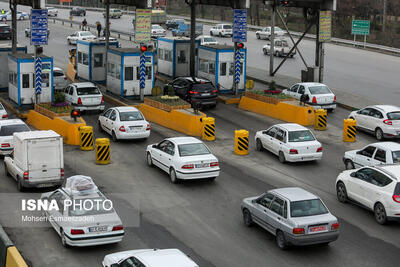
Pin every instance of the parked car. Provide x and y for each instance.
(5, 31)
(80, 36)
(376, 188)
(197, 92)
(207, 40)
(157, 31)
(221, 30)
(381, 120)
(28, 32)
(102, 224)
(148, 258)
(265, 33)
(294, 215)
(281, 48)
(124, 123)
(174, 23)
(290, 142)
(3, 112)
(77, 11)
(8, 16)
(114, 13)
(52, 11)
(183, 158)
(319, 95)
(7, 129)
(60, 81)
(184, 30)
(84, 96)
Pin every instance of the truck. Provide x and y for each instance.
(37, 160)
(281, 48)
(184, 30)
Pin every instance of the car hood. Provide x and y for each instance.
(350, 154)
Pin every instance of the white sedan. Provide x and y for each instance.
(207, 40)
(8, 16)
(7, 130)
(183, 158)
(124, 123)
(290, 141)
(265, 33)
(148, 258)
(3, 112)
(80, 36)
(157, 31)
(84, 216)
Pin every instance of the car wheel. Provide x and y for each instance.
(341, 192)
(281, 240)
(6, 170)
(149, 160)
(331, 110)
(258, 36)
(248, 221)
(349, 165)
(63, 239)
(220, 35)
(282, 157)
(379, 134)
(69, 42)
(20, 187)
(26, 35)
(380, 213)
(211, 33)
(100, 128)
(265, 51)
(172, 176)
(259, 146)
(277, 54)
(114, 137)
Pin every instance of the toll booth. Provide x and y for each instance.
(123, 72)
(216, 63)
(173, 56)
(21, 74)
(5, 49)
(91, 60)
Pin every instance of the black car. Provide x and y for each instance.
(5, 31)
(199, 92)
(174, 23)
(77, 11)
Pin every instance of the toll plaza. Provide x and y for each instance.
(21, 73)
(91, 60)
(216, 63)
(173, 56)
(5, 49)
(123, 73)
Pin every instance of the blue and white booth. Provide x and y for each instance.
(21, 78)
(5, 49)
(123, 72)
(91, 59)
(217, 64)
(173, 56)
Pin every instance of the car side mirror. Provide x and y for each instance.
(359, 112)
(154, 146)
(359, 152)
(265, 132)
(353, 174)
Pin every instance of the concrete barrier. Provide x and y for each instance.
(283, 111)
(68, 130)
(178, 120)
(5, 243)
(14, 258)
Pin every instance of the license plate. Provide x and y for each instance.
(44, 185)
(135, 128)
(318, 228)
(202, 165)
(206, 94)
(98, 229)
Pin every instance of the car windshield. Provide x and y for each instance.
(86, 34)
(281, 43)
(227, 27)
(1, 106)
(58, 73)
(157, 27)
(301, 136)
(305, 208)
(203, 86)
(209, 40)
(396, 156)
(8, 130)
(100, 206)
(319, 90)
(394, 116)
(193, 149)
(88, 91)
(277, 29)
(130, 116)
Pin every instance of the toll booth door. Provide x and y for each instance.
(182, 61)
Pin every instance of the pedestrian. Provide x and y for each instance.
(84, 24)
(98, 29)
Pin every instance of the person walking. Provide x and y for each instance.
(84, 24)
(98, 29)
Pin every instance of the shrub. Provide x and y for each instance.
(59, 97)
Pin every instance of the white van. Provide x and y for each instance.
(37, 160)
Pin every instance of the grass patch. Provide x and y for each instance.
(64, 109)
(172, 101)
(276, 96)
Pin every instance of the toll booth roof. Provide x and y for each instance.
(125, 50)
(9, 46)
(26, 56)
(219, 46)
(176, 38)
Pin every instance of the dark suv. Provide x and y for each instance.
(77, 11)
(5, 31)
(199, 92)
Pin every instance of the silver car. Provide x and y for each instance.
(293, 215)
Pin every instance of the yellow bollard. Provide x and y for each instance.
(208, 132)
(320, 119)
(349, 130)
(156, 91)
(102, 151)
(241, 142)
(86, 137)
(249, 84)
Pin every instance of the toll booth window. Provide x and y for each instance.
(25, 80)
(128, 73)
(118, 72)
(223, 69)
(182, 57)
(85, 59)
(231, 69)
(12, 78)
(80, 57)
(98, 60)
(168, 55)
(161, 54)
(45, 80)
(211, 67)
(148, 72)
(203, 65)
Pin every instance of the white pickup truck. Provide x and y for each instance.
(281, 48)
(37, 160)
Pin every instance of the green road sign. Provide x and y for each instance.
(360, 27)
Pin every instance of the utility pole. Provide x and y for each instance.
(193, 38)
(13, 8)
(107, 35)
(272, 41)
(384, 16)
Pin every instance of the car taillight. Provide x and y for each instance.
(334, 99)
(77, 232)
(319, 149)
(215, 91)
(388, 122)
(4, 116)
(298, 231)
(335, 226)
(214, 164)
(193, 92)
(148, 127)
(26, 176)
(118, 228)
(5, 145)
(188, 166)
(65, 78)
(283, 50)
(396, 198)
(122, 129)
(314, 100)
(102, 99)
(62, 172)
(79, 101)
(293, 151)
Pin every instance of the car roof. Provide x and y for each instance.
(291, 126)
(84, 84)
(312, 84)
(11, 122)
(4, 25)
(184, 140)
(120, 109)
(190, 79)
(57, 68)
(385, 108)
(294, 193)
(392, 170)
(36, 134)
(386, 145)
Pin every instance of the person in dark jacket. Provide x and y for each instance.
(98, 29)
